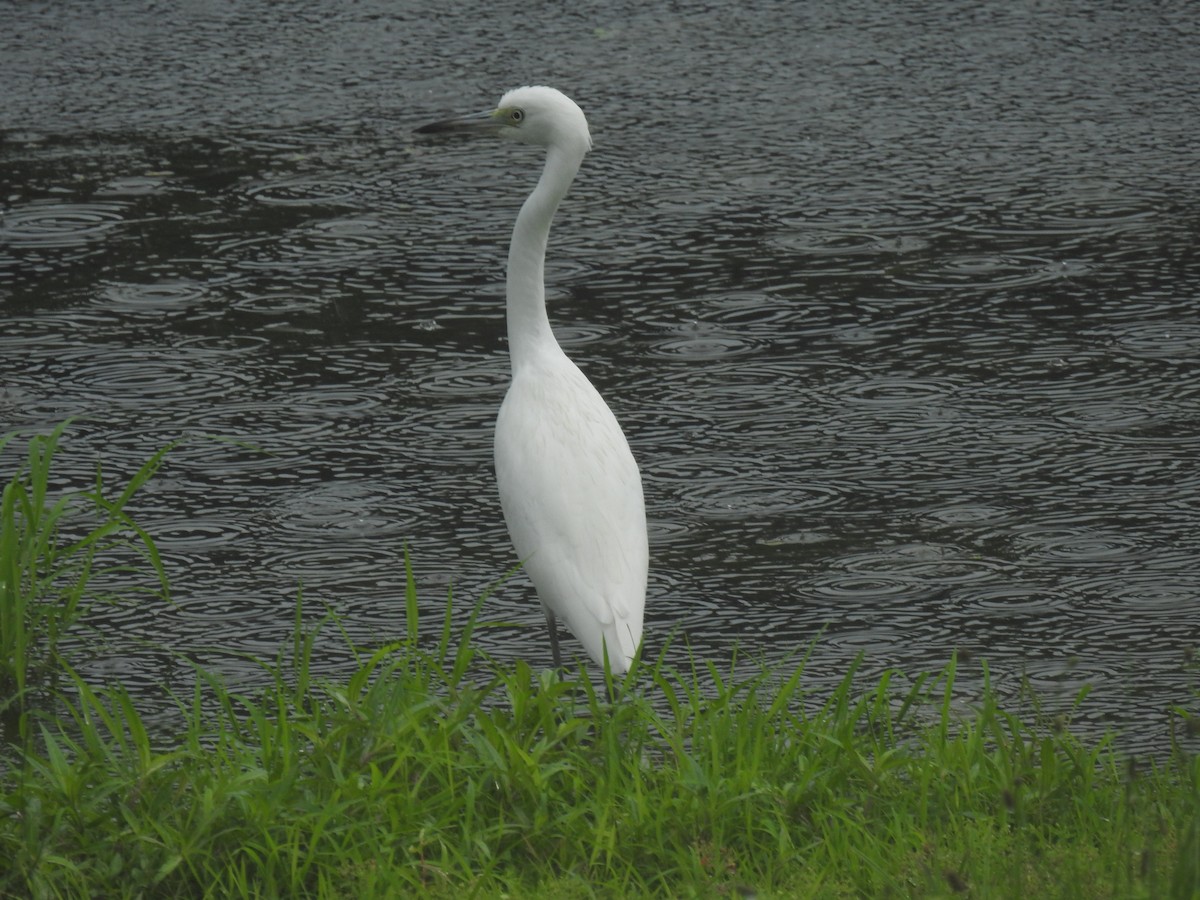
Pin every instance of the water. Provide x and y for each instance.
(899, 310)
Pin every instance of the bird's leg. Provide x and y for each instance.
(552, 625)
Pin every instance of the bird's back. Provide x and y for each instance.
(572, 499)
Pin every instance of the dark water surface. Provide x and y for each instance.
(900, 311)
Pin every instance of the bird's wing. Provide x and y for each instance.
(572, 499)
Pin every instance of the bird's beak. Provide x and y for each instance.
(476, 123)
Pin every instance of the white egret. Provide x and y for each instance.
(569, 486)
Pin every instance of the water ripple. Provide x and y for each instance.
(133, 378)
(340, 403)
(56, 225)
(283, 305)
(1012, 601)
(1074, 544)
(760, 400)
(979, 273)
(764, 315)
(445, 435)
(722, 487)
(327, 564)
(1055, 676)
(1088, 215)
(838, 245)
(133, 186)
(463, 379)
(1169, 593)
(663, 531)
(927, 564)
(302, 190)
(698, 342)
(866, 589)
(194, 533)
(333, 245)
(241, 611)
(151, 300)
(1114, 416)
(963, 515)
(893, 392)
(342, 509)
(223, 345)
(903, 422)
(267, 420)
(1159, 340)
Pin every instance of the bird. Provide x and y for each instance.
(569, 486)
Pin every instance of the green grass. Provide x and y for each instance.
(428, 769)
(58, 560)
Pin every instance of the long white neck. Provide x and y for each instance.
(528, 327)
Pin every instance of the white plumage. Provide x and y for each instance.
(569, 486)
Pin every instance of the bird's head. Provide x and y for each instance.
(535, 115)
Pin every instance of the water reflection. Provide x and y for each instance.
(900, 317)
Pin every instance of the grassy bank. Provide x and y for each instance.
(428, 769)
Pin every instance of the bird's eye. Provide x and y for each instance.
(516, 116)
